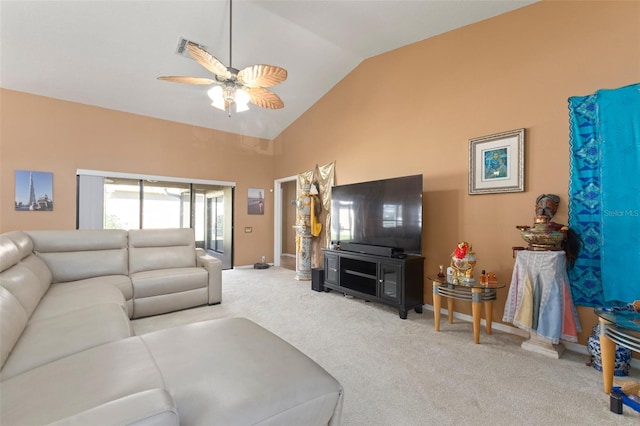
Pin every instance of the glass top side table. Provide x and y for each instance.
(476, 293)
(616, 327)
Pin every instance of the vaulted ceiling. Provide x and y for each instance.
(110, 53)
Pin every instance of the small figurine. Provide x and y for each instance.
(463, 259)
(441, 272)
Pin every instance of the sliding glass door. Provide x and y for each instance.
(122, 204)
(131, 203)
(166, 205)
(214, 220)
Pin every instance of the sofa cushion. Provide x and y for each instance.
(151, 249)
(79, 254)
(49, 339)
(166, 290)
(66, 297)
(23, 279)
(13, 320)
(28, 281)
(148, 408)
(22, 242)
(78, 382)
(9, 253)
(121, 282)
(167, 281)
(234, 372)
(163, 303)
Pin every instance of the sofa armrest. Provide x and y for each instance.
(214, 268)
(148, 408)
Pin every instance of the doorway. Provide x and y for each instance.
(285, 193)
(214, 222)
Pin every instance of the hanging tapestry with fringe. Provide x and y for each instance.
(323, 179)
(604, 198)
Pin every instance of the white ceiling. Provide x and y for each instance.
(109, 53)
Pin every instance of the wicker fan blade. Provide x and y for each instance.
(187, 80)
(264, 98)
(208, 61)
(262, 76)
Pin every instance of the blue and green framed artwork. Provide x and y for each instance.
(496, 163)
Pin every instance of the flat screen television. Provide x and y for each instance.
(385, 213)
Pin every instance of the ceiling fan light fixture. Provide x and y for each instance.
(218, 105)
(215, 94)
(242, 107)
(242, 100)
(225, 96)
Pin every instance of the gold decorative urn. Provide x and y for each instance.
(543, 236)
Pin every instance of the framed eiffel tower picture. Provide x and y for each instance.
(34, 191)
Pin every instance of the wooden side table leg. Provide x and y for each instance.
(476, 311)
(437, 304)
(488, 315)
(608, 354)
(450, 309)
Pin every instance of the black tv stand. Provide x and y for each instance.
(393, 281)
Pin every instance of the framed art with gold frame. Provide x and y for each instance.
(496, 163)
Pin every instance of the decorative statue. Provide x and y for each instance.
(544, 235)
(548, 235)
(463, 260)
(303, 233)
(307, 226)
(547, 205)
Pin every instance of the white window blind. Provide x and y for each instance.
(90, 202)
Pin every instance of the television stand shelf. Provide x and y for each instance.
(397, 282)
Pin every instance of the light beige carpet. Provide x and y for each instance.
(401, 372)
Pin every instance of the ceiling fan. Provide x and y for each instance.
(232, 86)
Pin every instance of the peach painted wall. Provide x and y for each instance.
(413, 110)
(45, 134)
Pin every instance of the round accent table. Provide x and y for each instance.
(476, 293)
(619, 327)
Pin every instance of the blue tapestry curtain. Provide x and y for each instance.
(604, 196)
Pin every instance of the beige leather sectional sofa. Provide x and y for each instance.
(157, 270)
(69, 355)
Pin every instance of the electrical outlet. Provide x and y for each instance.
(248, 229)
